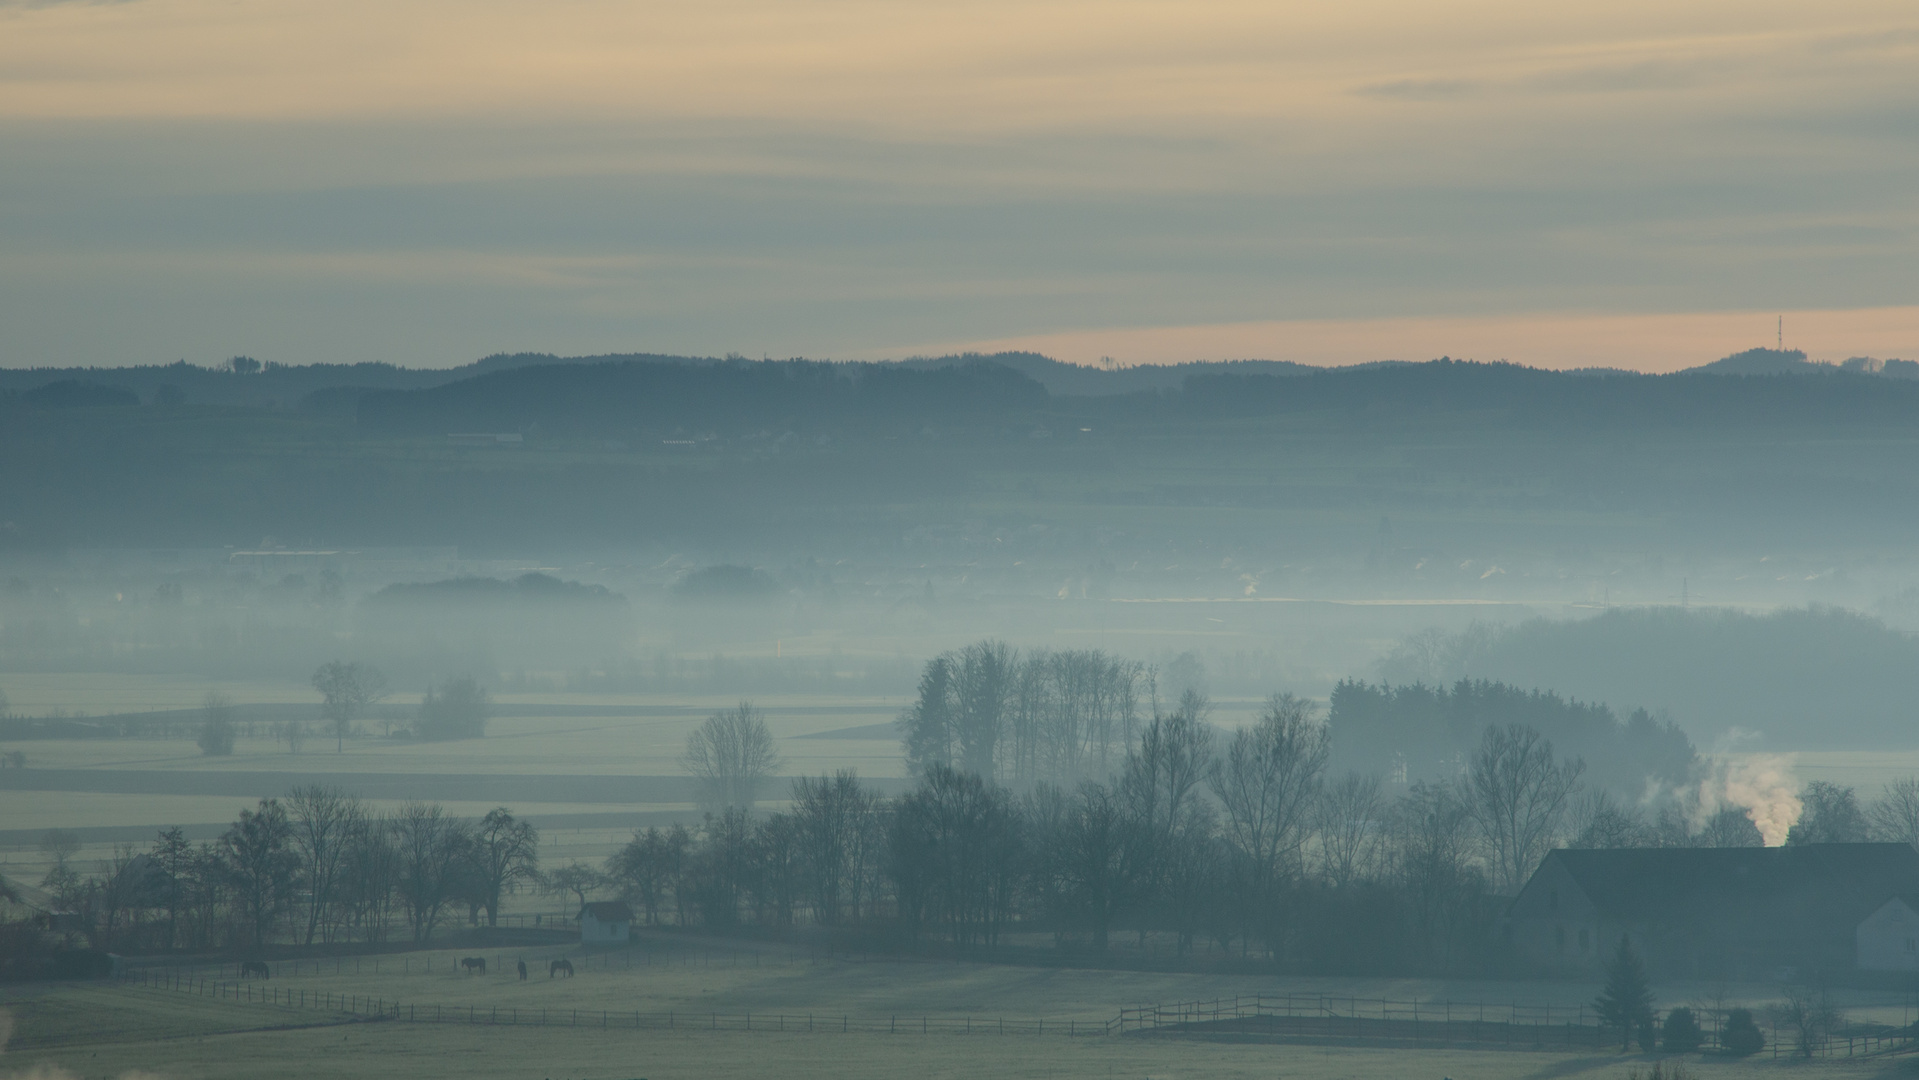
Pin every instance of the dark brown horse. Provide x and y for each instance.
(522, 964)
(474, 963)
(250, 968)
(559, 966)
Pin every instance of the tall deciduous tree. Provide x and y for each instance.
(1268, 782)
(429, 848)
(261, 865)
(1895, 813)
(1351, 829)
(323, 820)
(504, 852)
(215, 737)
(457, 709)
(732, 755)
(1829, 814)
(831, 814)
(1518, 793)
(347, 691)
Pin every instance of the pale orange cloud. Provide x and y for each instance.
(852, 177)
(1653, 343)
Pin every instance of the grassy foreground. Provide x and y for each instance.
(117, 1032)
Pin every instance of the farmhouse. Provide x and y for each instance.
(605, 922)
(1813, 910)
(1888, 939)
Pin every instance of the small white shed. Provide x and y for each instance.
(1888, 939)
(605, 922)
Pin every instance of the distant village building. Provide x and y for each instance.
(1815, 910)
(605, 922)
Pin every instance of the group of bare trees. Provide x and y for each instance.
(349, 690)
(1243, 842)
(1025, 718)
(318, 866)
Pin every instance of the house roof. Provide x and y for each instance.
(1822, 881)
(22, 893)
(607, 911)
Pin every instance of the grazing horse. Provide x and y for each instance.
(474, 963)
(559, 966)
(522, 971)
(250, 968)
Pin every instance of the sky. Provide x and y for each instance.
(1629, 183)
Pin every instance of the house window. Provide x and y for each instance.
(1582, 940)
(1559, 937)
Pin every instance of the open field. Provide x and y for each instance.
(108, 1030)
(696, 975)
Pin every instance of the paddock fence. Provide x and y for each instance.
(1320, 1017)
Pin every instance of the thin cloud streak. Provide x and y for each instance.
(858, 174)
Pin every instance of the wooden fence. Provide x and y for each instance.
(1456, 1023)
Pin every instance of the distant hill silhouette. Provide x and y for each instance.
(1062, 379)
(1761, 362)
(649, 398)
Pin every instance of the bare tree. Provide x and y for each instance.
(322, 820)
(429, 848)
(954, 853)
(830, 813)
(1429, 853)
(1104, 859)
(1351, 828)
(458, 710)
(348, 690)
(1162, 777)
(575, 879)
(1895, 813)
(1830, 815)
(216, 725)
(1598, 821)
(650, 866)
(369, 876)
(1811, 1015)
(731, 753)
(261, 865)
(504, 851)
(1268, 782)
(1518, 793)
(1730, 826)
(982, 688)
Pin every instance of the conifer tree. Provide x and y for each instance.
(1626, 1003)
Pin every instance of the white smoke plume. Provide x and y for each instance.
(1761, 784)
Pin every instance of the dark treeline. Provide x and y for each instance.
(239, 381)
(1426, 731)
(732, 398)
(1022, 718)
(1531, 397)
(1786, 673)
(317, 868)
(618, 452)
